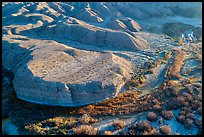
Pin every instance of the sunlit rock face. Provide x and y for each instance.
(47, 72)
(71, 77)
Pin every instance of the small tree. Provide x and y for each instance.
(180, 41)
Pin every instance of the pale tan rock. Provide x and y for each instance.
(117, 25)
(55, 74)
(88, 15)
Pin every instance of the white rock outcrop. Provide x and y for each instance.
(47, 72)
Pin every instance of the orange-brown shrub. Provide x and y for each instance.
(179, 57)
(199, 57)
(108, 133)
(85, 130)
(152, 132)
(123, 103)
(118, 124)
(165, 130)
(85, 119)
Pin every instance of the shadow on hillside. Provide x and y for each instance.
(38, 33)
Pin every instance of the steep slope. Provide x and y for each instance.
(88, 15)
(117, 25)
(131, 24)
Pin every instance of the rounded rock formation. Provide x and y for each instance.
(63, 76)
